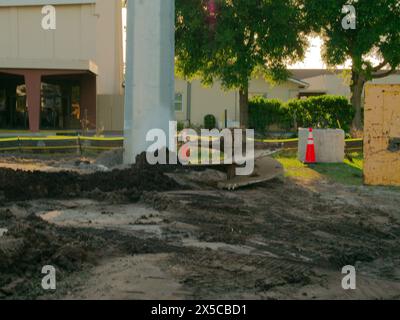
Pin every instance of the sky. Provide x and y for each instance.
(312, 60)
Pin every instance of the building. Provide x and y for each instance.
(57, 79)
(194, 101)
(71, 77)
(334, 82)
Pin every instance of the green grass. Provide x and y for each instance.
(350, 172)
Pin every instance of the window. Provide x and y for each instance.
(178, 102)
(306, 95)
(258, 94)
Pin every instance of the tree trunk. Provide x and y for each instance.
(357, 87)
(244, 107)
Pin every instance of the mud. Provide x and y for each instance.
(32, 243)
(111, 159)
(129, 183)
(294, 223)
(289, 234)
(162, 240)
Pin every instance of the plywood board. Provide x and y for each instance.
(381, 130)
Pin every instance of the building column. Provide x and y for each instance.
(149, 90)
(88, 97)
(11, 91)
(66, 93)
(33, 95)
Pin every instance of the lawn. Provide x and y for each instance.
(350, 172)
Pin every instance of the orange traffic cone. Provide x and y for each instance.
(310, 154)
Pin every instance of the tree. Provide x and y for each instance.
(232, 40)
(375, 36)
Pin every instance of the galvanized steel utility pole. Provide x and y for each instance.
(150, 83)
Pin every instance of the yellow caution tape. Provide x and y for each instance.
(49, 138)
(99, 148)
(101, 139)
(276, 141)
(296, 139)
(8, 139)
(47, 148)
(9, 149)
(354, 140)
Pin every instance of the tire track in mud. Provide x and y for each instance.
(298, 230)
(215, 275)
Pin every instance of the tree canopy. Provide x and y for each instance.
(373, 46)
(231, 40)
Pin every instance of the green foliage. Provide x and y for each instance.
(232, 39)
(376, 37)
(321, 112)
(265, 112)
(376, 34)
(317, 112)
(180, 126)
(210, 122)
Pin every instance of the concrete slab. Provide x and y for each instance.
(329, 145)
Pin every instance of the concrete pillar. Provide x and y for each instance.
(149, 92)
(88, 99)
(33, 95)
(64, 120)
(11, 90)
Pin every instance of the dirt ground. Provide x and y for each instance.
(139, 234)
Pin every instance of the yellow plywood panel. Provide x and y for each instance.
(382, 135)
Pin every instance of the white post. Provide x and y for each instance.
(150, 83)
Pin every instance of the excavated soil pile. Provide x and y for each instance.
(29, 245)
(129, 183)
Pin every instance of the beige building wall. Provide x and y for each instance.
(328, 84)
(184, 88)
(109, 56)
(88, 36)
(24, 44)
(110, 113)
(285, 91)
(213, 100)
(392, 79)
(199, 100)
(335, 84)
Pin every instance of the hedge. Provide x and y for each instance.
(265, 112)
(318, 112)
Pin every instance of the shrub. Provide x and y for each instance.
(210, 122)
(265, 112)
(318, 112)
(321, 112)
